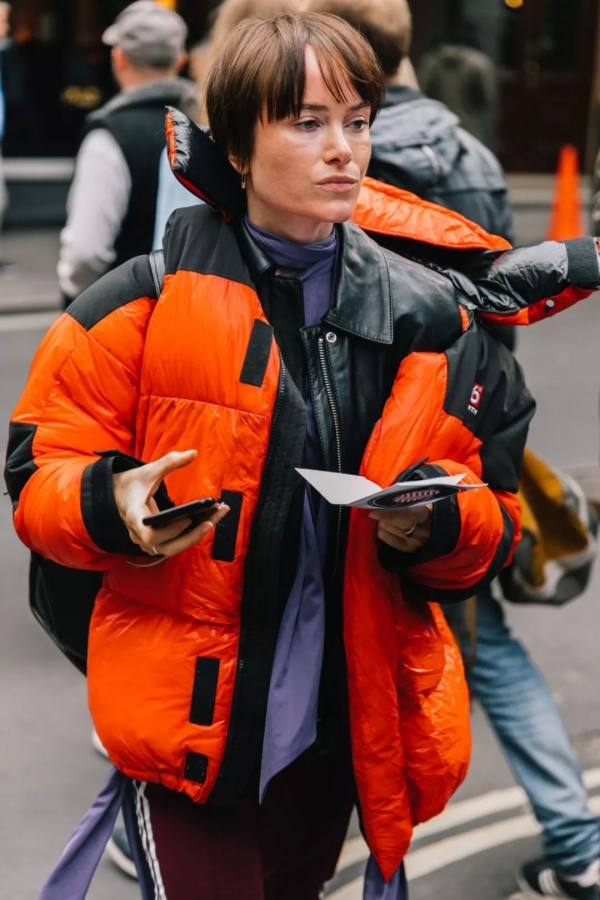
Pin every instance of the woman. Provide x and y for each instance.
(171, 194)
(219, 678)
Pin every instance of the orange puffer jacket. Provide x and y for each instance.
(180, 653)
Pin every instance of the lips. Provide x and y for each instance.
(338, 185)
(337, 179)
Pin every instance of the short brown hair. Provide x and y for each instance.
(261, 72)
(230, 13)
(386, 24)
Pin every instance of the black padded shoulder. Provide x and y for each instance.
(198, 239)
(123, 285)
(487, 392)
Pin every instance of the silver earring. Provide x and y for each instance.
(243, 182)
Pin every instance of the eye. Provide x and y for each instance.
(358, 125)
(308, 125)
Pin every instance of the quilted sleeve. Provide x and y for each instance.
(74, 424)
(467, 411)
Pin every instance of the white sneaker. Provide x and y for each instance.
(98, 745)
(119, 851)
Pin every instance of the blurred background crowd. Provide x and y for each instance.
(545, 54)
(541, 60)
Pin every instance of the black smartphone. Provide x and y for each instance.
(198, 511)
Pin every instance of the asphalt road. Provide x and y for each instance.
(50, 774)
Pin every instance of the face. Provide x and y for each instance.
(4, 21)
(306, 172)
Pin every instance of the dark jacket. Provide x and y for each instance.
(418, 145)
(136, 120)
(596, 198)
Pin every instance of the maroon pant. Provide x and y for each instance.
(284, 849)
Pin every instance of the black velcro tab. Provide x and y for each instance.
(227, 529)
(196, 767)
(584, 268)
(205, 690)
(257, 354)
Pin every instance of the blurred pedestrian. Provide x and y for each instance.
(596, 199)
(112, 202)
(458, 73)
(419, 146)
(217, 671)
(4, 40)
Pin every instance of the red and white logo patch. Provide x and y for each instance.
(475, 401)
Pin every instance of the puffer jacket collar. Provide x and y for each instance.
(361, 264)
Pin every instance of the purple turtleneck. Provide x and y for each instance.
(291, 724)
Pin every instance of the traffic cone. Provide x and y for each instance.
(566, 220)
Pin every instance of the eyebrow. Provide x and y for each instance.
(316, 107)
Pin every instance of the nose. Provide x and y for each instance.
(337, 148)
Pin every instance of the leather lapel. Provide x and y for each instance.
(363, 303)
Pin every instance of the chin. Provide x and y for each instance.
(338, 211)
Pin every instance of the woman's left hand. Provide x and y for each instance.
(404, 529)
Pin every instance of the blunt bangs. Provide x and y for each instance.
(261, 72)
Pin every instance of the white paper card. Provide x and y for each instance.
(355, 490)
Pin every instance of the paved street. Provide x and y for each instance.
(50, 773)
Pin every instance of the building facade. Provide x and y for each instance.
(56, 70)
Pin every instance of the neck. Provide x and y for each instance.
(299, 229)
(131, 80)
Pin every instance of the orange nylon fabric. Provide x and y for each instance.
(384, 209)
(409, 706)
(72, 371)
(150, 624)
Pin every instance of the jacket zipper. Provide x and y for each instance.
(327, 378)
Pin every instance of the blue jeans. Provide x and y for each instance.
(522, 712)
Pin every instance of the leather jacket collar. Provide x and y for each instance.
(363, 304)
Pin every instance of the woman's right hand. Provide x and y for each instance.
(134, 496)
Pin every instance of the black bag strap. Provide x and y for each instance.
(157, 266)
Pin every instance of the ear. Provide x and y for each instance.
(241, 170)
(182, 59)
(117, 58)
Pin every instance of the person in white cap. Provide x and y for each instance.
(112, 201)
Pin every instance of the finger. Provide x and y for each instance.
(171, 548)
(405, 544)
(399, 530)
(152, 537)
(392, 540)
(157, 470)
(404, 517)
(152, 506)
